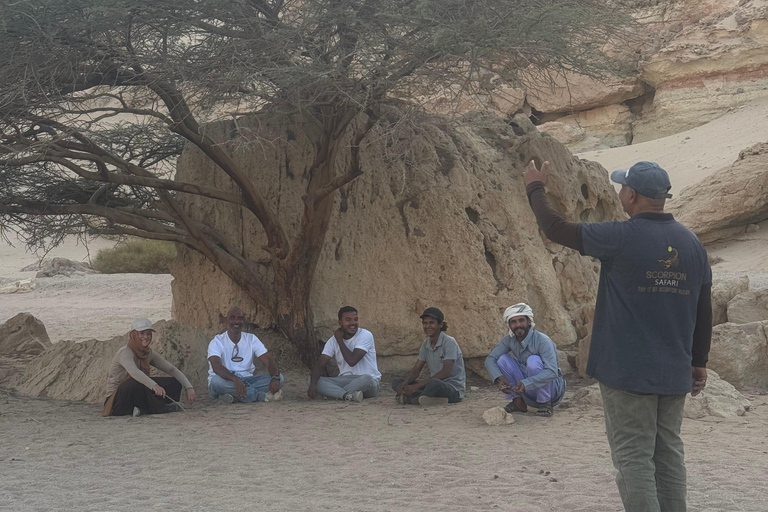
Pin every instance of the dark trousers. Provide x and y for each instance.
(435, 388)
(133, 393)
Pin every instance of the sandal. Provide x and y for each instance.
(545, 410)
(511, 407)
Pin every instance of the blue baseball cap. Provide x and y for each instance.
(434, 313)
(645, 178)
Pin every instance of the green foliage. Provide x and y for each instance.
(136, 257)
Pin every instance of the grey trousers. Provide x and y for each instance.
(336, 387)
(647, 451)
(434, 388)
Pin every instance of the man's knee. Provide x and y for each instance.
(434, 386)
(534, 365)
(367, 381)
(507, 363)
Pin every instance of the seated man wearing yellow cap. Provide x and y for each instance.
(532, 377)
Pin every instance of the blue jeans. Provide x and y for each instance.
(256, 386)
(510, 368)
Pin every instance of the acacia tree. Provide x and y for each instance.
(97, 99)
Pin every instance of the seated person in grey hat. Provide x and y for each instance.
(524, 365)
(355, 353)
(442, 355)
(130, 389)
(231, 365)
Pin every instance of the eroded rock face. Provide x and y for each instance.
(23, 335)
(750, 306)
(739, 354)
(598, 128)
(439, 218)
(723, 290)
(78, 371)
(578, 92)
(717, 60)
(728, 201)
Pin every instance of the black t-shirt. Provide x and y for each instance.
(651, 275)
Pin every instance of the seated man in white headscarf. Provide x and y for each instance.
(532, 377)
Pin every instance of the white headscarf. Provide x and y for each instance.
(517, 310)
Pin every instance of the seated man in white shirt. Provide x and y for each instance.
(231, 368)
(355, 354)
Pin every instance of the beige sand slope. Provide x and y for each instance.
(692, 156)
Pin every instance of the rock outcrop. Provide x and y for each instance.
(439, 217)
(747, 307)
(729, 201)
(23, 335)
(723, 290)
(699, 59)
(739, 354)
(64, 267)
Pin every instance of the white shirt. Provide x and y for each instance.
(362, 339)
(223, 347)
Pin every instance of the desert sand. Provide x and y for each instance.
(301, 455)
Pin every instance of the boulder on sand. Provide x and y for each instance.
(750, 306)
(723, 290)
(496, 416)
(739, 354)
(65, 267)
(23, 335)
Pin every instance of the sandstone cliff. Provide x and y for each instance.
(439, 218)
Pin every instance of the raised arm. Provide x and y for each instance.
(551, 223)
(352, 357)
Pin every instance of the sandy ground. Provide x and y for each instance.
(325, 455)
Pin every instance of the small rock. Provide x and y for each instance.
(496, 416)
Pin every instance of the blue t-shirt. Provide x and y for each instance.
(651, 274)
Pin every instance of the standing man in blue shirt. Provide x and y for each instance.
(532, 377)
(651, 332)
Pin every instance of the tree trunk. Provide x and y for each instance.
(292, 312)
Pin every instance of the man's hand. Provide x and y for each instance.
(312, 391)
(503, 383)
(401, 388)
(274, 386)
(532, 174)
(410, 389)
(240, 390)
(158, 390)
(699, 380)
(519, 388)
(191, 396)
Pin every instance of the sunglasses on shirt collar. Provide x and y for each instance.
(236, 354)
